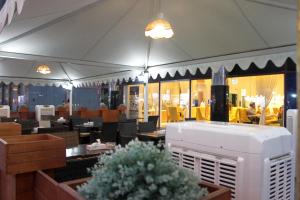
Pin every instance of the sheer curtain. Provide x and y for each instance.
(265, 86)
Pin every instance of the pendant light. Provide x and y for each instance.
(43, 69)
(159, 28)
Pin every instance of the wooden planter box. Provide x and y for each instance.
(21, 156)
(9, 129)
(216, 192)
(67, 190)
(28, 153)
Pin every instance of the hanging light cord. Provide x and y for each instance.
(149, 43)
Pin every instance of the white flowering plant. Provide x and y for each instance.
(140, 171)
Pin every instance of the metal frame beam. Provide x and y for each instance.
(42, 58)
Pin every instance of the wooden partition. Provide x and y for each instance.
(110, 115)
(10, 129)
(62, 112)
(21, 156)
(90, 114)
(48, 189)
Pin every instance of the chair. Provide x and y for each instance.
(127, 131)
(122, 117)
(172, 114)
(11, 119)
(199, 116)
(27, 126)
(190, 119)
(109, 132)
(52, 130)
(267, 111)
(275, 111)
(153, 119)
(233, 115)
(131, 120)
(271, 118)
(98, 122)
(180, 113)
(71, 138)
(84, 135)
(75, 121)
(243, 116)
(45, 123)
(146, 127)
(207, 113)
(47, 117)
(75, 169)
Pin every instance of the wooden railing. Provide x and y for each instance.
(47, 188)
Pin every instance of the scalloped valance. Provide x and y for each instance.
(36, 82)
(244, 63)
(108, 79)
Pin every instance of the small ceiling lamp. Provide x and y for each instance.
(43, 69)
(159, 28)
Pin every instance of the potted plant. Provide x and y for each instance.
(141, 171)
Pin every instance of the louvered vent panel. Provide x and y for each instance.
(290, 123)
(207, 170)
(188, 162)
(176, 157)
(280, 183)
(227, 177)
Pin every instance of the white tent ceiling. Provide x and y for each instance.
(84, 39)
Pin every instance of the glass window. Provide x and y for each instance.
(135, 101)
(264, 93)
(200, 99)
(174, 99)
(153, 99)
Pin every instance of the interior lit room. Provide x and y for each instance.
(149, 99)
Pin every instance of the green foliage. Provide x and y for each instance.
(140, 171)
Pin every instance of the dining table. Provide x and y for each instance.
(155, 136)
(82, 151)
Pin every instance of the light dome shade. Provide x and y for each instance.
(159, 28)
(43, 69)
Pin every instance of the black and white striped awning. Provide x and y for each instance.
(278, 59)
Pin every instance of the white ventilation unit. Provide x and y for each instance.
(292, 124)
(44, 111)
(4, 111)
(255, 162)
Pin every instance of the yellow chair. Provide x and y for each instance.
(180, 113)
(233, 114)
(172, 114)
(164, 116)
(271, 118)
(275, 111)
(243, 116)
(199, 115)
(202, 109)
(207, 113)
(267, 111)
(194, 111)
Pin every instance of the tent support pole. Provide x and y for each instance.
(298, 105)
(71, 102)
(146, 87)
